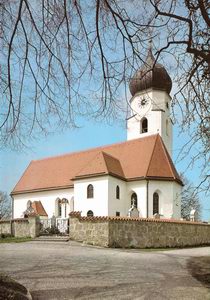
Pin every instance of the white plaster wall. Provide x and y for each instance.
(121, 205)
(104, 202)
(139, 187)
(99, 203)
(156, 119)
(159, 99)
(177, 190)
(167, 135)
(169, 196)
(47, 198)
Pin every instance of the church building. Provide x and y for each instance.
(112, 180)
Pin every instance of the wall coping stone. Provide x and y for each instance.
(77, 214)
(5, 221)
(20, 220)
(14, 220)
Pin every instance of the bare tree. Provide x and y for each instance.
(5, 206)
(190, 200)
(53, 51)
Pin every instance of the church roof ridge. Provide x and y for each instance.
(114, 166)
(158, 156)
(93, 149)
(151, 155)
(107, 154)
(102, 166)
(84, 170)
(171, 165)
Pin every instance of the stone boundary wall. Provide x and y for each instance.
(137, 232)
(23, 227)
(94, 231)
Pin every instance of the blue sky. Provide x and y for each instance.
(91, 134)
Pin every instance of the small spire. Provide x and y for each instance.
(150, 45)
(150, 58)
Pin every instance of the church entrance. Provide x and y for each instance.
(54, 226)
(62, 225)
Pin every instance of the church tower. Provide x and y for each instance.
(150, 103)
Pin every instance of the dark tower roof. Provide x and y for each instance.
(150, 75)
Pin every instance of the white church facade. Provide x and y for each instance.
(109, 180)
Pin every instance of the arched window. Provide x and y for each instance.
(65, 204)
(65, 213)
(134, 200)
(155, 203)
(90, 191)
(58, 203)
(144, 125)
(117, 192)
(59, 208)
(90, 213)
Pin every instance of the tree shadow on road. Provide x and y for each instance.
(199, 268)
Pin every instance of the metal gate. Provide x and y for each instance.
(54, 226)
(62, 225)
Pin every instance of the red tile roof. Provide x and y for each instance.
(101, 164)
(131, 160)
(39, 209)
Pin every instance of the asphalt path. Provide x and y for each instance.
(70, 270)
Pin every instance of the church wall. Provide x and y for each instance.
(47, 198)
(159, 99)
(104, 189)
(118, 205)
(169, 198)
(154, 125)
(166, 131)
(99, 203)
(138, 187)
(156, 100)
(177, 195)
(133, 128)
(157, 124)
(156, 112)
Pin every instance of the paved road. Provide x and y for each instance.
(72, 271)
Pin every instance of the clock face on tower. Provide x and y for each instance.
(143, 103)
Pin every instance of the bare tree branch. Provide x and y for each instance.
(64, 59)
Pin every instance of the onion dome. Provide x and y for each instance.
(150, 75)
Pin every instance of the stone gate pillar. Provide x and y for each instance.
(34, 225)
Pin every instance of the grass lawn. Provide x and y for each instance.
(15, 239)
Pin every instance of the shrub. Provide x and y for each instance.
(5, 235)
